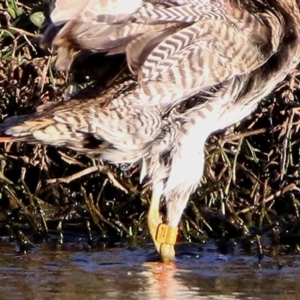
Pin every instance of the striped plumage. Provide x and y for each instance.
(174, 48)
(234, 57)
(106, 26)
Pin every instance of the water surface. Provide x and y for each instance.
(126, 274)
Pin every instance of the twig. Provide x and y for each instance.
(101, 169)
(82, 173)
(22, 31)
(290, 187)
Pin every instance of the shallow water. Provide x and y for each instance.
(125, 274)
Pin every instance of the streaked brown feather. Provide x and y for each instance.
(95, 33)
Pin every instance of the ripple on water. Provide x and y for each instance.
(125, 274)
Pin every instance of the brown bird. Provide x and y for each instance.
(233, 58)
(112, 26)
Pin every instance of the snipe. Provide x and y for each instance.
(235, 55)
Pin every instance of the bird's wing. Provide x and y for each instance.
(209, 52)
(109, 11)
(97, 33)
(109, 26)
(116, 11)
(96, 25)
(171, 19)
(106, 116)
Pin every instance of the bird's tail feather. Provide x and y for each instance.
(9, 139)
